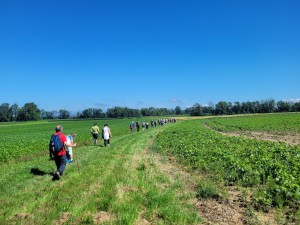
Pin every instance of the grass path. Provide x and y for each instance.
(121, 184)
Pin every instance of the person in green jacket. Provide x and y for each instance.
(95, 133)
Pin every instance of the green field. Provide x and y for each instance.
(142, 178)
(281, 123)
(21, 139)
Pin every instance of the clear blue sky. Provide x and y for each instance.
(70, 54)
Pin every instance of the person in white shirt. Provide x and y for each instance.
(106, 135)
(70, 139)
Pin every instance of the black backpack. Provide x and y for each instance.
(55, 144)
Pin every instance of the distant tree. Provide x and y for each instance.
(237, 108)
(222, 108)
(122, 112)
(86, 113)
(188, 110)
(43, 114)
(256, 106)
(98, 113)
(118, 112)
(209, 109)
(178, 110)
(196, 110)
(136, 113)
(14, 110)
(113, 112)
(64, 114)
(267, 106)
(5, 113)
(246, 107)
(284, 106)
(48, 115)
(172, 112)
(229, 108)
(296, 107)
(29, 112)
(145, 112)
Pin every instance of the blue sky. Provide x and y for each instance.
(74, 55)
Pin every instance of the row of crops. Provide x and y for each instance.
(272, 169)
(273, 123)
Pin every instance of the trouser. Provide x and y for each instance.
(106, 142)
(60, 161)
(95, 136)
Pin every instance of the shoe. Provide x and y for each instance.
(57, 175)
(71, 161)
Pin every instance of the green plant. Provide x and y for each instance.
(207, 189)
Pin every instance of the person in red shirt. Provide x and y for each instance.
(60, 157)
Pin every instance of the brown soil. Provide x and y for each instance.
(291, 139)
(288, 138)
(102, 217)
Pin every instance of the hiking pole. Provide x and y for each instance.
(76, 157)
(77, 163)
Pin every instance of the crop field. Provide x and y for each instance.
(271, 169)
(273, 123)
(134, 181)
(273, 127)
(22, 139)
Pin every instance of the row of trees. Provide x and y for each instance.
(30, 111)
(227, 108)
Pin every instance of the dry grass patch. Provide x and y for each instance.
(63, 219)
(289, 138)
(123, 189)
(141, 220)
(102, 217)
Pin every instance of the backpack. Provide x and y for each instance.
(55, 144)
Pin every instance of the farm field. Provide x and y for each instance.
(283, 127)
(19, 139)
(180, 173)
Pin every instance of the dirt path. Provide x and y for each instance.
(288, 138)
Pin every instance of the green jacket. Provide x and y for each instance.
(95, 129)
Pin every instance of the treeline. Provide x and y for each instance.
(30, 111)
(228, 108)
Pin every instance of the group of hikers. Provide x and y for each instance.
(61, 146)
(154, 123)
(106, 134)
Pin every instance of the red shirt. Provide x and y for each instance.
(63, 139)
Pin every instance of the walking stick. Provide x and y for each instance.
(77, 164)
(74, 135)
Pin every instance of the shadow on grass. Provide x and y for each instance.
(38, 172)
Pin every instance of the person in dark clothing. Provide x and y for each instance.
(138, 124)
(60, 157)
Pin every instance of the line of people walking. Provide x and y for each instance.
(60, 146)
(153, 123)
